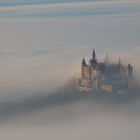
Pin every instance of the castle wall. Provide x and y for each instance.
(94, 74)
(86, 73)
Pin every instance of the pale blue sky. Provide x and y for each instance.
(43, 8)
(10, 2)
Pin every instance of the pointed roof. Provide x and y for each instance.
(84, 62)
(94, 55)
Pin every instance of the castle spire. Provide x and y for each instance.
(94, 55)
(84, 62)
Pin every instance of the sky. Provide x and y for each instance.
(42, 43)
(68, 8)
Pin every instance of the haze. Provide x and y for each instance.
(42, 44)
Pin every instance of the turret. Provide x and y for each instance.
(94, 61)
(83, 64)
(130, 71)
(94, 55)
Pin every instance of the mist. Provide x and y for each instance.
(42, 45)
(96, 119)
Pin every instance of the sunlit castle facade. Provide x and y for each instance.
(104, 76)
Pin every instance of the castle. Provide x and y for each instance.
(104, 76)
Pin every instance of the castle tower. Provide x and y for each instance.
(130, 71)
(83, 64)
(94, 61)
(90, 71)
(93, 55)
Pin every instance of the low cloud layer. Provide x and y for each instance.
(64, 96)
(90, 118)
